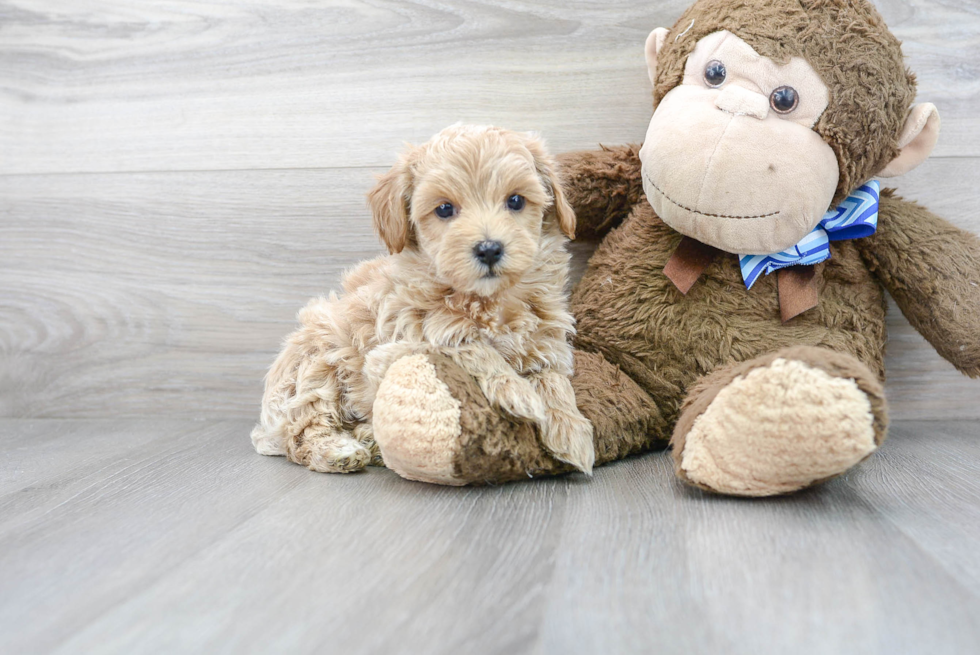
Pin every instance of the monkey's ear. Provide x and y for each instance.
(916, 141)
(654, 43)
(547, 169)
(389, 201)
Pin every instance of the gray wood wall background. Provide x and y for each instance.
(178, 177)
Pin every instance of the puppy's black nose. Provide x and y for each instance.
(488, 252)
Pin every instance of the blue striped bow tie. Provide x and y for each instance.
(854, 218)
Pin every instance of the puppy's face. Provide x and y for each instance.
(475, 201)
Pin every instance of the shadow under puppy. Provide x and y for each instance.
(476, 224)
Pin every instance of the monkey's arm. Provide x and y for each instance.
(932, 270)
(602, 186)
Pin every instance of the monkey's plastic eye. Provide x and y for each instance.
(715, 73)
(784, 99)
(446, 210)
(515, 203)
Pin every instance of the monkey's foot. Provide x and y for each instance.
(779, 423)
(433, 423)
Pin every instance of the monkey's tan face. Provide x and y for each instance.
(731, 157)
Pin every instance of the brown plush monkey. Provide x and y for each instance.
(736, 305)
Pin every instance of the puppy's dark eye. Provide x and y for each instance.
(784, 99)
(515, 203)
(715, 73)
(446, 210)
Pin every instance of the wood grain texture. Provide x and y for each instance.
(177, 178)
(164, 293)
(132, 536)
(105, 85)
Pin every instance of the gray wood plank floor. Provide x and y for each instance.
(133, 536)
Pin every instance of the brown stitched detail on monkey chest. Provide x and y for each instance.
(694, 211)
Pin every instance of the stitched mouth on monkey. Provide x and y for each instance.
(694, 211)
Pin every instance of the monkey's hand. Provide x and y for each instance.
(932, 270)
(602, 187)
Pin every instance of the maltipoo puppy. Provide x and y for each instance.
(476, 224)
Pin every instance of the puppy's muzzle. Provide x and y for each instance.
(488, 252)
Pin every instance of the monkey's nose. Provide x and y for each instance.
(740, 101)
(488, 252)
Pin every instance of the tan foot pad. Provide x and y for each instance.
(416, 422)
(778, 429)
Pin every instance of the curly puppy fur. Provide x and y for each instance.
(505, 322)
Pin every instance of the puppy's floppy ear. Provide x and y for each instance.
(389, 200)
(547, 169)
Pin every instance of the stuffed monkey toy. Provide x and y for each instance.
(735, 306)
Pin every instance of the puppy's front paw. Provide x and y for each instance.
(568, 437)
(340, 454)
(517, 397)
(364, 435)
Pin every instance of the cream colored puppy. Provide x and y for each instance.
(476, 224)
